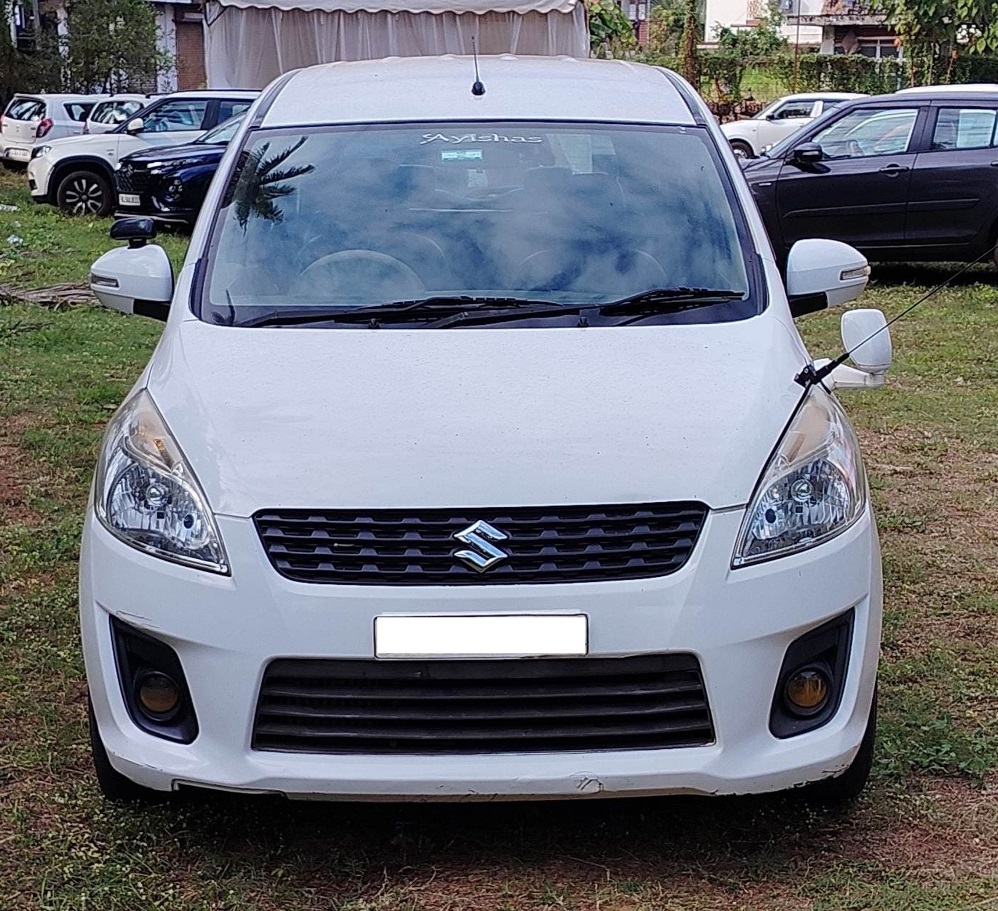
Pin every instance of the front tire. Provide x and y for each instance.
(845, 788)
(113, 785)
(86, 193)
(741, 149)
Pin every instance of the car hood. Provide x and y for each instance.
(389, 418)
(200, 150)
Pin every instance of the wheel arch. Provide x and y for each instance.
(79, 163)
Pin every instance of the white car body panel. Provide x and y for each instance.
(319, 418)
(19, 137)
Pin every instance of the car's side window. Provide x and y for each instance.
(77, 110)
(800, 108)
(185, 114)
(227, 109)
(867, 133)
(964, 128)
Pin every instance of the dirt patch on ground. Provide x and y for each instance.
(14, 476)
(947, 830)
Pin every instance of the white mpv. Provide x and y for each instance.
(480, 458)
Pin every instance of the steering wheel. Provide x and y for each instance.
(358, 274)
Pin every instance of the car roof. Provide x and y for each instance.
(845, 96)
(209, 93)
(400, 89)
(972, 87)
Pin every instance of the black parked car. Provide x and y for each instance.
(169, 184)
(911, 176)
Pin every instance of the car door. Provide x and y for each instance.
(172, 122)
(857, 193)
(953, 199)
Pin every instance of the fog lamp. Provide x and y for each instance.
(158, 694)
(807, 691)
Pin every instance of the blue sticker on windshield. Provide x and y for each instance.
(462, 155)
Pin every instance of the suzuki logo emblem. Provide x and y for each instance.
(481, 555)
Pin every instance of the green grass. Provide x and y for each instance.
(925, 836)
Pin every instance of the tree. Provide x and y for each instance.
(111, 46)
(944, 27)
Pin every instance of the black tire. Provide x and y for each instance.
(113, 785)
(86, 193)
(741, 149)
(845, 788)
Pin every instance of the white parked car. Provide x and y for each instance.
(30, 119)
(112, 113)
(749, 138)
(480, 458)
(77, 174)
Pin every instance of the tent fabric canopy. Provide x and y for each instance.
(479, 7)
(248, 45)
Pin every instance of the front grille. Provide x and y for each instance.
(130, 179)
(543, 544)
(550, 705)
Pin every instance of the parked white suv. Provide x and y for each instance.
(750, 138)
(29, 119)
(480, 458)
(76, 174)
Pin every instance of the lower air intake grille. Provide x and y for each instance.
(533, 705)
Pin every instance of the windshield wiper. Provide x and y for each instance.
(429, 307)
(668, 300)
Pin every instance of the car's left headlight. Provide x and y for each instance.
(146, 494)
(813, 488)
(38, 151)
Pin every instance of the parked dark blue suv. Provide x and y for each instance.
(169, 184)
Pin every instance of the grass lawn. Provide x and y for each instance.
(924, 836)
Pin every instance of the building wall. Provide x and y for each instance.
(181, 37)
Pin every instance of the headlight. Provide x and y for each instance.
(145, 492)
(38, 151)
(813, 488)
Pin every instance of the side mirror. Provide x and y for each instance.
(135, 229)
(806, 155)
(824, 273)
(868, 340)
(134, 279)
(135, 125)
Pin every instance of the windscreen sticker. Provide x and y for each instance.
(462, 155)
(477, 137)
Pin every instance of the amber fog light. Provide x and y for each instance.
(807, 691)
(158, 694)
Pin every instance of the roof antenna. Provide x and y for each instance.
(478, 88)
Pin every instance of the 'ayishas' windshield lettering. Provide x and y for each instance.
(477, 137)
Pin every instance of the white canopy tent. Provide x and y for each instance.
(250, 42)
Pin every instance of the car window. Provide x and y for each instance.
(182, 114)
(800, 108)
(223, 133)
(964, 128)
(227, 109)
(78, 110)
(25, 109)
(865, 133)
(568, 213)
(114, 111)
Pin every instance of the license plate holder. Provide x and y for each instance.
(18, 154)
(481, 636)
(129, 199)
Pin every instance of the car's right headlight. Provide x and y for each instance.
(146, 494)
(813, 489)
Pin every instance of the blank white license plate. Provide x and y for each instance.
(487, 636)
(20, 154)
(129, 199)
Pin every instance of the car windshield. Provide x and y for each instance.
(550, 213)
(223, 133)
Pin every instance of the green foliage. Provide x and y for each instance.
(111, 46)
(610, 31)
(944, 27)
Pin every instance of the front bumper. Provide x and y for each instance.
(737, 622)
(39, 174)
